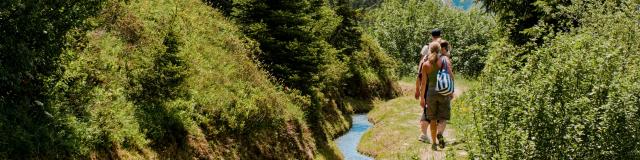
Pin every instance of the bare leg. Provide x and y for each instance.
(434, 130)
(441, 126)
(424, 127)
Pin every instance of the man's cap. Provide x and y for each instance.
(436, 32)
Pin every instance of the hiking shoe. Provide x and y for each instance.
(441, 140)
(423, 138)
(434, 147)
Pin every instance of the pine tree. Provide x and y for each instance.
(347, 34)
(290, 49)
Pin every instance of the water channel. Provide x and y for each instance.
(348, 143)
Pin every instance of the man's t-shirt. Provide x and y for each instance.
(423, 55)
(424, 51)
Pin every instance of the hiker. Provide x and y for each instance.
(445, 51)
(424, 122)
(445, 48)
(435, 37)
(439, 108)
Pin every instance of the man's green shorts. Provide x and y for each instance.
(438, 107)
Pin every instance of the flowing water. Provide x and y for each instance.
(348, 143)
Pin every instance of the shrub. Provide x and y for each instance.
(576, 96)
(370, 71)
(366, 80)
(520, 18)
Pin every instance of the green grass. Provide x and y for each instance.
(394, 134)
(408, 79)
(396, 127)
(120, 97)
(328, 152)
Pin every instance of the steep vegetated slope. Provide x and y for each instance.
(317, 49)
(154, 79)
(179, 79)
(569, 92)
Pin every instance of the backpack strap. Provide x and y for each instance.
(444, 64)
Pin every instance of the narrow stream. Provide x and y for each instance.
(348, 143)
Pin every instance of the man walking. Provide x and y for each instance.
(424, 121)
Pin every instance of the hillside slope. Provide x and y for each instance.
(159, 80)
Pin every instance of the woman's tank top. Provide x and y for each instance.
(432, 80)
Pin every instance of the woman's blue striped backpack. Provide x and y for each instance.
(444, 85)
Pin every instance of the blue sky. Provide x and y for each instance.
(464, 4)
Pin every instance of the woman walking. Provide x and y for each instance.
(424, 122)
(439, 105)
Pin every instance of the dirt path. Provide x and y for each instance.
(450, 138)
(396, 129)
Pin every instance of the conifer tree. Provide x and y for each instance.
(347, 34)
(290, 49)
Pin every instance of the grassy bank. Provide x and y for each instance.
(176, 79)
(157, 80)
(396, 127)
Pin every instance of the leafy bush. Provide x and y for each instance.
(371, 71)
(520, 18)
(366, 81)
(403, 27)
(576, 96)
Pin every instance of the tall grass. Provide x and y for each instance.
(166, 80)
